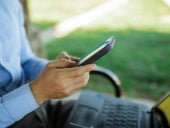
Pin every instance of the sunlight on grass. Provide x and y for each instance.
(135, 16)
(58, 10)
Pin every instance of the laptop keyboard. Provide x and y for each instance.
(118, 115)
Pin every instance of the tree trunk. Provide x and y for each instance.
(32, 33)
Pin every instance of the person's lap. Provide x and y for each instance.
(51, 114)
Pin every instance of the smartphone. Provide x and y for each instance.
(97, 52)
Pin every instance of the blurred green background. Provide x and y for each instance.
(140, 56)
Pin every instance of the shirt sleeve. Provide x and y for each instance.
(33, 67)
(31, 64)
(20, 101)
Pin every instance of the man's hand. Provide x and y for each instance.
(59, 79)
(66, 56)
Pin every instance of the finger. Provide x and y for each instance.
(68, 57)
(77, 71)
(77, 86)
(65, 55)
(61, 63)
(80, 79)
(74, 91)
(70, 86)
(73, 58)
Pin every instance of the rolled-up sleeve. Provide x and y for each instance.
(20, 101)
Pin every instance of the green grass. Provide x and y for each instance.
(140, 61)
(141, 54)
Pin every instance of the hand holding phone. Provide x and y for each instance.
(97, 52)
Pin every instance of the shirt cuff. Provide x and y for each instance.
(20, 102)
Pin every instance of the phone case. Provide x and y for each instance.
(100, 53)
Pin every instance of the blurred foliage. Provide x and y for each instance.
(140, 56)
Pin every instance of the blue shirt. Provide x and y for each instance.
(18, 65)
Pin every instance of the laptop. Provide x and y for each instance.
(98, 110)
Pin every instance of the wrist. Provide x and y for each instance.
(38, 94)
